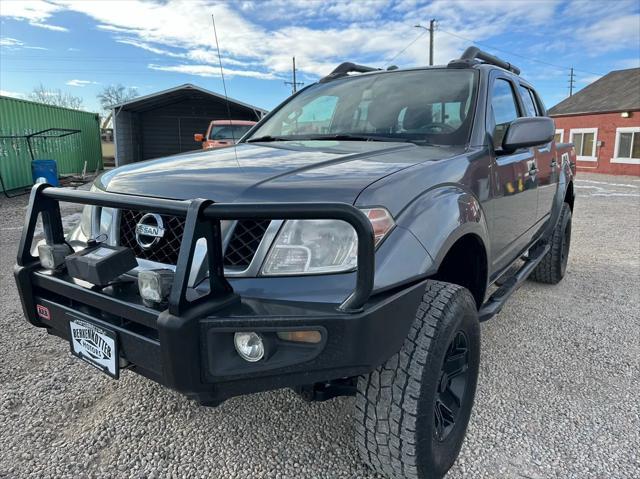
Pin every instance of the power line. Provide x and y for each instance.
(405, 48)
(525, 57)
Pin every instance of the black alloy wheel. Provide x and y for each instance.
(452, 386)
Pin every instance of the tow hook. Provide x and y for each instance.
(328, 390)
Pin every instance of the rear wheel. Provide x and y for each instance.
(554, 265)
(412, 412)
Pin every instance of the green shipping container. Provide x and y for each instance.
(20, 117)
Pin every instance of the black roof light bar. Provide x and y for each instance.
(473, 56)
(345, 68)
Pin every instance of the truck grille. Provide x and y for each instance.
(244, 242)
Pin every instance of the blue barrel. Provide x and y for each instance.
(47, 169)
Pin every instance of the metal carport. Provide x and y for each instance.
(164, 123)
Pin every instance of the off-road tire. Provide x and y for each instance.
(395, 415)
(554, 265)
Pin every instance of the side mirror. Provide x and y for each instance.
(198, 137)
(527, 132)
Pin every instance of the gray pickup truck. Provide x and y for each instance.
(350, 244)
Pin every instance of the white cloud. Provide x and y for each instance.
(15, 44)
(146, 46)
(319, 33)
(466, 14)
(13, 94)
(182, 29)
(10, 42)
(356, 11)
(81, 83)
(36, 12)
(341, 30)
(30, 10)
(211, 71)
(590, 10)
(55, 28)
(611, 33)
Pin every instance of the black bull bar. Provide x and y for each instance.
(202, 220)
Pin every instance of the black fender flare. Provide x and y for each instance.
(441, 216)
(565, 179)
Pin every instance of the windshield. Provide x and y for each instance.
(228, 132)
(423, 106)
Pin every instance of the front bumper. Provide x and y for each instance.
(194, 353)
(189, 345)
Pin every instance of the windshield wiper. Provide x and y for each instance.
(267, 138)
(334, 137)
(348, 137)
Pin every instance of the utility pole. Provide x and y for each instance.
(431, 30)
(294, 84)
(572, 82)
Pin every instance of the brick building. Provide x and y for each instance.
(603, 122)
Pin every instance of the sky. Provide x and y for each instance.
(80, 47)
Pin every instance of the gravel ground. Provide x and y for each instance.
(558, 393)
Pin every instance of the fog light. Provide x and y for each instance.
(155, 284)
(249, 346)
(52, 255)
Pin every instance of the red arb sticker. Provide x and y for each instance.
(43, 312)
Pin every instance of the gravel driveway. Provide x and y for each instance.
(558, 395)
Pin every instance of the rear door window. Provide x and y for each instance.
(528, 102)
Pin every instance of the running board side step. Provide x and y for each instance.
(496, 301)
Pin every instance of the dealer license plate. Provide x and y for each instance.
(95, 345)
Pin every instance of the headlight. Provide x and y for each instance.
(106, 217)
(321, 246)
(86, 220)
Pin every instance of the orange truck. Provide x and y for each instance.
(223, 133)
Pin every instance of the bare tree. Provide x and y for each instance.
(112, 95)
(56, 97)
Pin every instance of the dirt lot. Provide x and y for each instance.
(558, 394)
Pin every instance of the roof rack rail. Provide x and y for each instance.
(473, 55)
(345, 68)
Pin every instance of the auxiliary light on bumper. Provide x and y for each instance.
(52, 256)
(154, 285)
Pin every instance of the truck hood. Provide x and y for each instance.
(278, 171)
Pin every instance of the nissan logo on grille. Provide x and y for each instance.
(149, 230)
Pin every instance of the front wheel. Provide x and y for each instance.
(412, 412)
